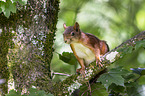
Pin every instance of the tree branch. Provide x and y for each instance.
(73, 82)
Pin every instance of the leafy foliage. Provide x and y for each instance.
(68, 58)
(97, 89)
(8, 6)
(32, 92)
(13, 93)
(121, 81)
(140, 44)
(140, 71)
(113, 76)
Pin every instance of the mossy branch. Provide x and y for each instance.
(73, 82)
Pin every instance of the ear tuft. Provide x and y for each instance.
(76, 26)
(64, 26)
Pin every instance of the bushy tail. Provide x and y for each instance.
(104, 47)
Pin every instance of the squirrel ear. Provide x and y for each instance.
(76, 26)
(64, 25)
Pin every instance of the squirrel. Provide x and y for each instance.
(85, 46)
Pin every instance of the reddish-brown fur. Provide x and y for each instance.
(73, 35)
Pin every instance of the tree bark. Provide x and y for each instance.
(30, 62)
(5, 39)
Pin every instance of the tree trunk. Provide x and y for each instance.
(5, 38)
(34, 26)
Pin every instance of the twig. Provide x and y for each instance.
(55, 73)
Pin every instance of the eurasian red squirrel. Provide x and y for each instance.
(85, 46)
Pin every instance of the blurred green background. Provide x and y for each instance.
(114, 21)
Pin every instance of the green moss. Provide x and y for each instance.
(5, 38)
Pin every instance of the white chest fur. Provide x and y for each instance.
(84, 53)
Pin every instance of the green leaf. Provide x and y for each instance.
(7, 13)
(32, 91)
(141, 80)
(107, 79)
(68, 58)
(140, 44)
(130, 77)
(143, 72)
(116, 88)
(97, 89)
(23, 2)
(7, 8)
(140, 71)
(14, 93)
(132, 91)
(13, 7)
(113, 76)
(3, 0)
(118, 70)
(49, 94)
(131, 84)
(14, 1)
(35, 92)
(41, 93)
(10, 6)
(135, 90)
(2, 5)
(0, 10)
(65, 57)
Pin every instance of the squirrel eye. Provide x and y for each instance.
(72, 34)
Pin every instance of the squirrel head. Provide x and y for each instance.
(71, 34)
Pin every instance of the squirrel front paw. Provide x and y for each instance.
(98, 63)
